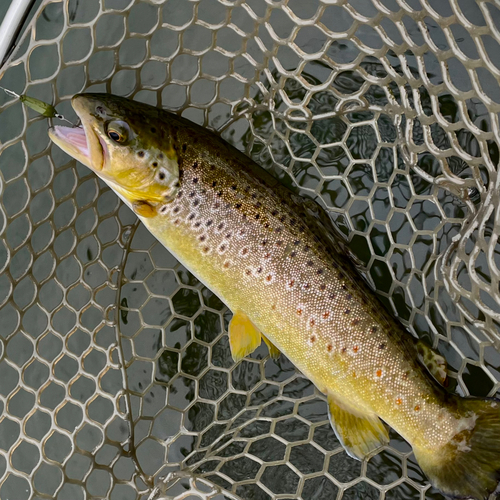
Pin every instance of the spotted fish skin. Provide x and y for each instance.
(261, 251)
(258, 250)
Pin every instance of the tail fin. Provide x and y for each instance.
(469, 465)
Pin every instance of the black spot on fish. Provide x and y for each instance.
(319, 271)
(155, 164)
(195, 164)
(140, 154)
(274, 213)
(238, 205)
(214, 183)
(374, 329)
(197, 224)
(348, 296)
(209, 222)
(176, 210)
(310, 263)
(191, 217)
(296, 242)
(347, 311)
(196, 203)
(257, 216)
(382, 346)
(160, 156)
(153, 130)
(233, 187)
(161, 176)
(203, 237)
(293, 254)
(220, 226)
(322, 287)
(195, 180)
(184, 147)
(219, 193)
(191, 194)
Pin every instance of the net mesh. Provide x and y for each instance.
(116, 375)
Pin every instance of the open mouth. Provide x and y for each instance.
(72, 140)
(81, 143)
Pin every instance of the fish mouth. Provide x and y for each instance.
(82, 142)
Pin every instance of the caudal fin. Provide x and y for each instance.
(469, 465)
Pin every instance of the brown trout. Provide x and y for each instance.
(260, 249)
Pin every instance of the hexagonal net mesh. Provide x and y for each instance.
(116, 376)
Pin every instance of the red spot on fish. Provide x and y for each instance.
(248, 272)
(312, 338)
(379, 373)
(399, 401)
(291, 283)
(226, 264)
(269, 277)
(355, 348)
(354, 322)
(273, 307)
(312, 322)
(299, 311)
(354, 374)
(417, 408)
(326, 314)
(329, 347)
(267, 255)
(344, 349)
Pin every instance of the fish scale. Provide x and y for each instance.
(267, 260)
(270, 258)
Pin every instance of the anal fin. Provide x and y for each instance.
(359, 433)
(433, 361)
(244, 337)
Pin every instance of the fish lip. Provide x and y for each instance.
(92, 151)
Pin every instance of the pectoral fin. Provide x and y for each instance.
(358, 432)
(144, 209)
(433, 361)
(244, 338)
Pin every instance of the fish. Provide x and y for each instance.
(272, 261)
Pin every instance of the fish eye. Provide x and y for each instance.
(118, 131)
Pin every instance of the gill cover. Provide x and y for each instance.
(126, 143)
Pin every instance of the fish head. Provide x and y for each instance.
(126, 143)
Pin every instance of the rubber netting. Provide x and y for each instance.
(116, 379)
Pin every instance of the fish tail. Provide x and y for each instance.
(469, 465)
